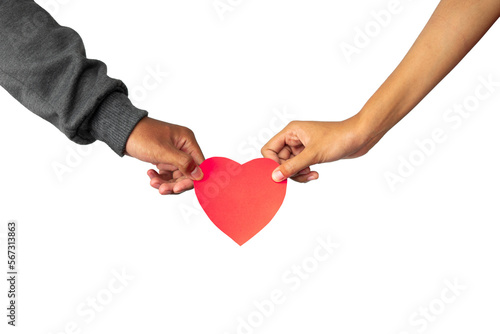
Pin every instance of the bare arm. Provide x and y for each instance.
(452, 31)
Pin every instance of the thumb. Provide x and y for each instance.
(293, 166)
(186, 164)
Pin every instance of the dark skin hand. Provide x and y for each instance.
(172, 148)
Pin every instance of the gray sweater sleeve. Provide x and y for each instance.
(43, 65)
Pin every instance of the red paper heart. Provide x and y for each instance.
(239, 199)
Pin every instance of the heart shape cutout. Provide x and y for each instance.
(239, 199)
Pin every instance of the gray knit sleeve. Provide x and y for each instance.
(44, 66)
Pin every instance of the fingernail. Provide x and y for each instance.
(310, 178)
(197, 174)
(278, 176)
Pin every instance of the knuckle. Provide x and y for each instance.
(187, 132)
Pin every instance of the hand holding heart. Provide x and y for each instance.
(172, 148)
(303, 144)
(297, 147)
(242, 199)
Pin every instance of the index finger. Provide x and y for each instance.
(273, 147)
(193, 149)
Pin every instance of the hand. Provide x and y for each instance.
(303, 144)
(174, 151)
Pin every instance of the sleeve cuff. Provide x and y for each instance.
(114, 120)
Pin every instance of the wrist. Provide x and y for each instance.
(365, 129)
(380, 114)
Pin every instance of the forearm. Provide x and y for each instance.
(454, 28)
(43, 65)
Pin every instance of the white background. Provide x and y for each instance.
(227, 77)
